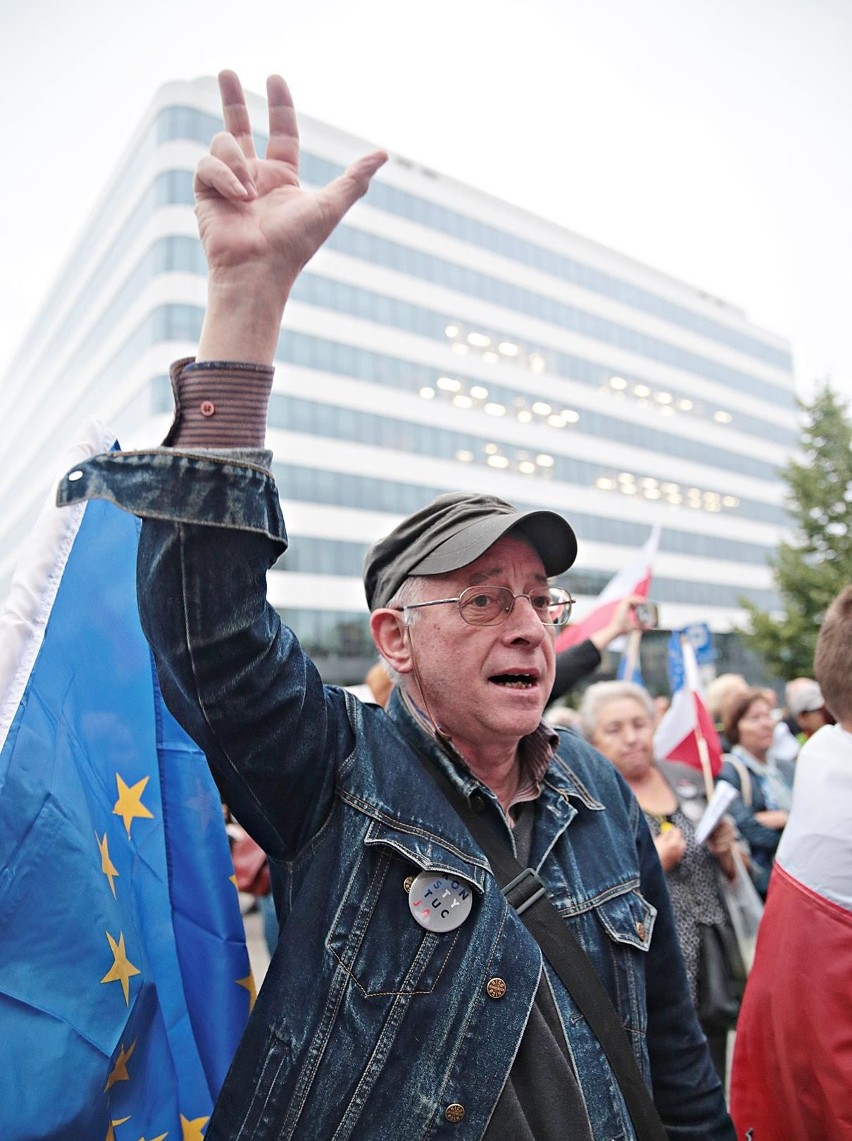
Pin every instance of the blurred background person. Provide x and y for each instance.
(792, 1072)
(719, 695)
(764, 783)
(577, 662)
(618, 718)
(807, 707)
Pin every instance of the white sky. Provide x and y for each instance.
(711, 139)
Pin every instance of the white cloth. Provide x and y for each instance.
(816, 846)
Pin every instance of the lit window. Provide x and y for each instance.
(641, 390)
(570, 415)
(478, 392)
(537, 362)
(663, 398)
(524, 417)
(618, 383)
(556, 421)
(464, 457)
(685, 405)
(508, 349)
(722, 417)
(651, 493)
(451, 331)
(544, 460)
(494, 409)
(427, 393)
(480, 340)
(497, 461)
(731, 501)
(649, 481)
(449, 384)
(541, 409)
(605, 484)
(491, 449)
(462, 401)
(526, 467)
(626, 477)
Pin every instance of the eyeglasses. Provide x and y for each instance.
(491, 605)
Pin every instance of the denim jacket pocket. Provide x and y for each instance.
(374, 936)
(628, 918)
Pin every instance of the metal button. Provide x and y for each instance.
(454, 1112)
(407, 882)
(207, 408)
(641, 929)
(495, 988)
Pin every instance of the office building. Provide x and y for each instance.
(442, 339)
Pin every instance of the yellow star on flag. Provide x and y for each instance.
(191, 1130)
(107, 866)
(111, 1131)
(119, 1071)
(129, 803)
(122, 969)
(248, 983)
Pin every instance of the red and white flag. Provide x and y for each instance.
(792, 1069)
(686, 732)
(633, 578)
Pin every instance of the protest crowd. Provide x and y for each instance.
(506, 894)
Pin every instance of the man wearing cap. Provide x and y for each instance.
(385, 1015)
(807, 707)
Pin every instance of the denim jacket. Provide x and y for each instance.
(369, 1026)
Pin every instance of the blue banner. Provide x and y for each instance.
(124, 978)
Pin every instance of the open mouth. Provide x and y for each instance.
(515, 681)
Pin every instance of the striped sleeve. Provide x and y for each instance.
(219, 404)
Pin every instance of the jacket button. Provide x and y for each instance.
(477, 803)
(407, 882)
(207, 408)
(454, 1113)
(495, 988)
(641, 930)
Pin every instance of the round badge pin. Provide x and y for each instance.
(440, 903)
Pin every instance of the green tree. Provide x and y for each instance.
(813, 567)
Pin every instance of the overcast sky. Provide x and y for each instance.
(711, 139)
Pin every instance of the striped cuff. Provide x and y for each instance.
(219, 404)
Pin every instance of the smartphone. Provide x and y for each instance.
(647, 615)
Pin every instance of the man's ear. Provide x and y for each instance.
(390, 635)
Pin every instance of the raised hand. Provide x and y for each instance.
(257, 226)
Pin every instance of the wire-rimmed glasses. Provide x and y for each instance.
(491, 605)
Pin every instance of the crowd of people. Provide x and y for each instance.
(489, 926)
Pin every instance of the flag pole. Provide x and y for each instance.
(700, 740)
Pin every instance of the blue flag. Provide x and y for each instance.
(124, 977)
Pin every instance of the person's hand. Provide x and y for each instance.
(720, 844)
(622, 622)
(257, 226)
(772, 818)
(671, 847)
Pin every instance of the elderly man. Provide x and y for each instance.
(382, 1017)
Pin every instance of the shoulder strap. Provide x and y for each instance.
(526, 893)
(745, 778)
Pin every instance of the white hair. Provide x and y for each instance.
(600, 694)
(412, 590)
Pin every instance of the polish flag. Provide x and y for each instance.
(791, 1076)
(634, 578)
(686, 732)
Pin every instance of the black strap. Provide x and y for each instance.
(526, 893)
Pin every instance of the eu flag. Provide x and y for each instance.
(124, 977)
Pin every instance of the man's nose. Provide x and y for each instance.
(522, 620)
